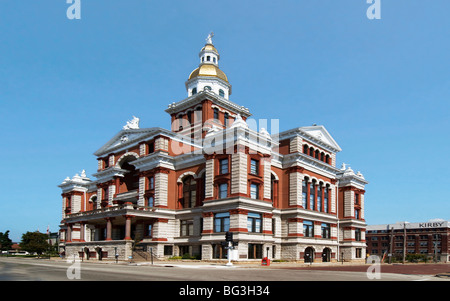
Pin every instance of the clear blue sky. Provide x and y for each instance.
(380, 87)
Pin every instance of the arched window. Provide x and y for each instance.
(311, 152)
(322, 156)
(131, 179)
(312, 195)
(221, 93)
(194, 91)
(317, 154)
(216, 113)
(207, 88)
(226, 117)
(319, 197)
(325, 199)
(305, 191)
(92, 203)
(189, 192)
(305, 149)
(327, 159)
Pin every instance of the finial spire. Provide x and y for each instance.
(209, 38)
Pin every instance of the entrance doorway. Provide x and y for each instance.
(326, 255)
(309, 254)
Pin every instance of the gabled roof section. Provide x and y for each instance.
(316, 134)
(127, 137)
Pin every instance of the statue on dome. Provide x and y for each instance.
(209, 38)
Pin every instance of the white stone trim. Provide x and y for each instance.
(187, 173)
(126, 155)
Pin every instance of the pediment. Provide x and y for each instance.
(125, 138)
(319, 133)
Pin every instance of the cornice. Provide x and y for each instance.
(309, 163)
(157, 159)
(201, 96)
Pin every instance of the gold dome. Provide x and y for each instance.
(210, 47)
(208, 70)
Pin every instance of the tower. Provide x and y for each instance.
(207, 106)
(208, 75)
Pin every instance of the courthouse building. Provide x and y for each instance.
(178, 191)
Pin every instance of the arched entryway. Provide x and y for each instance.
(309, 254)
(326, 255)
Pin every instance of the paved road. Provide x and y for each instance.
(50, 270)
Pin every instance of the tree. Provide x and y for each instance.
(5, 242)
(34, 242)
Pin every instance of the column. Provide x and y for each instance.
(82, 231)
(238, 220)
(267, 174)
(161, 186)
(208, 222)
(108, 228)
(69, 233)
(239, 171)
(128, 227)
(295, 186)
(209, 177)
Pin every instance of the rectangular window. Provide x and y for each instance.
(148, 230)
(168, 250)
(150, 201)
(187, 228)
(325, 230)
(308, 229)
(222, 222)
(151, 183)
(254, 167)
(151, 147)
(223, 166)
(254, 222)
(254, 191)
(325, 200)
(219, 251)
(223, 190)
(255, 251)
(358, 234)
